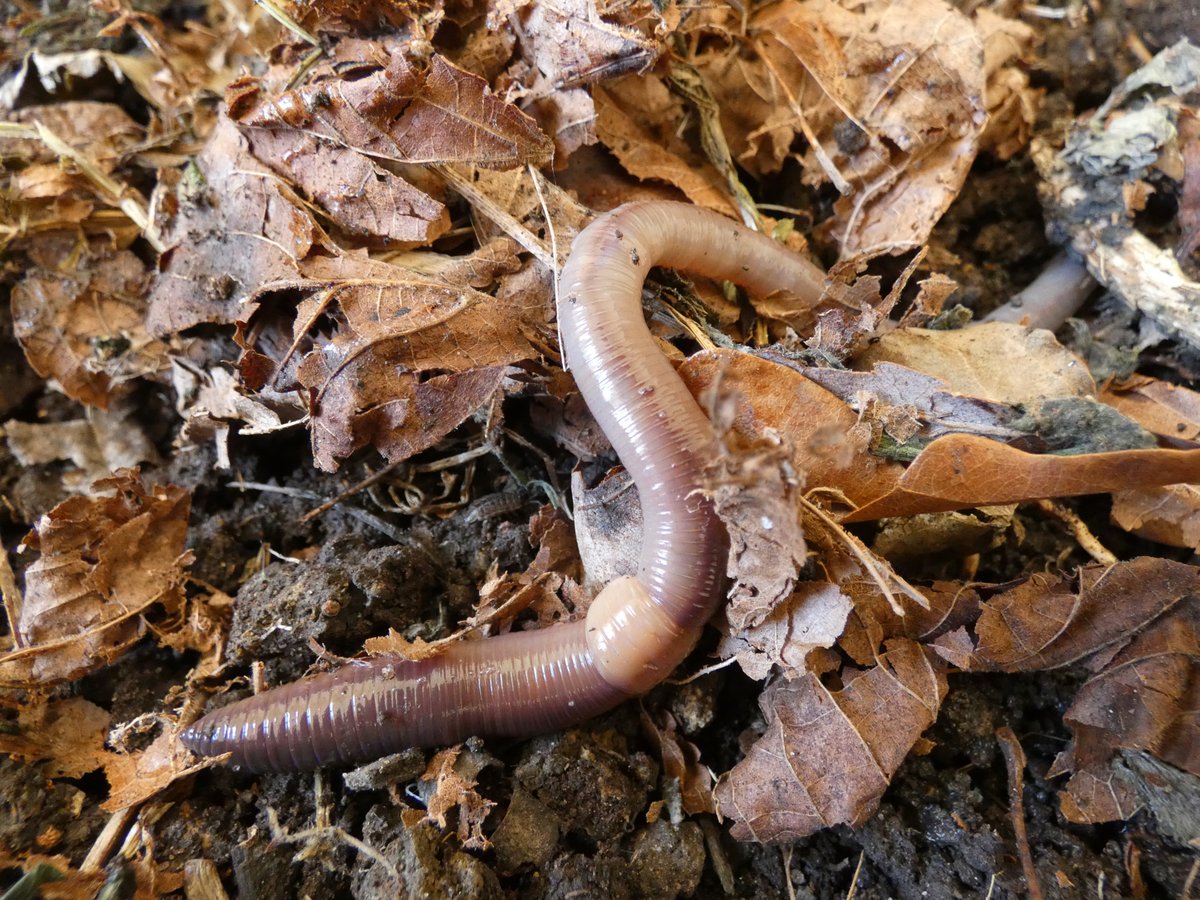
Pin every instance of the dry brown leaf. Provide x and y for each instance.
(30, 225)
(756, 117)
(107, 440)
(204, 628)
(136, 777)
(955, 647)
(69, 734)
(313, 137)
(996, 361)
(829, 447)
(1097, 794)
(1011, 103)
(414, 349)
(58, 194)
(569, 44)
(399, 112)
(539, 216)
(1167, 409)
(754, 491)
(1168, 514)
(563, 45)
(932, 294)
(503, 597)
(950, 607)
(105, 562)
(105, 129)
(1148, 696)
(43, 188)
(813, 616)
(364, 200)
(958, 471)
(637, 118)
(569, 117)
(827, 756)
(558, 551)
(83, 325)
(1047, 622)
(1144, 693)
(893, 95)
(336, 16)
(852, 309)
(453, 774)
(236, 226)
(416, 649)
(681, 761)
(417, 355)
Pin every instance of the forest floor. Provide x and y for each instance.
(595, 811)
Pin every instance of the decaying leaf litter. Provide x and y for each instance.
(275, 271)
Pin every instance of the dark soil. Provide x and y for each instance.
(570, 816)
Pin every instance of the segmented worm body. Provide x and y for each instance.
(637, 629)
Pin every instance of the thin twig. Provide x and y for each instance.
(1014, 758)
(1083, 535)
(276, 12)
(314, 836)
(361, 514)
(700, 673)
(1190, 881)
(128, 200)
(883, 578)
(854, 880)
(13, 602)
(492, 210)
(102, 848)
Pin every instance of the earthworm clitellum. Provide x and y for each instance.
(637, 629)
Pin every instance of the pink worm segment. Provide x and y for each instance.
(637, 630)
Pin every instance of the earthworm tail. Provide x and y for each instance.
(1051, 298)
(637, 629)
(364, 711)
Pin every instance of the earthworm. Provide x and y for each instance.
(1051, 298)
(638, 628)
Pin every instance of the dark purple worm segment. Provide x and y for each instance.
(637, 630)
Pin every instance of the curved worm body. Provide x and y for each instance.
(637, 629)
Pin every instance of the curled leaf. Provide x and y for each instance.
(1047, 622)
(827, 756)
(105, 561)
(400, 112)
(85, 328)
